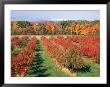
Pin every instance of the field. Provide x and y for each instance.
(55, 49)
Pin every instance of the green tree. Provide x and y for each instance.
(23, 24)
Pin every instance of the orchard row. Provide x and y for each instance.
(55, 28)
(65, 51)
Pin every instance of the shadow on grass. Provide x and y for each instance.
(86, 68)
(39, 46)
(37, 69)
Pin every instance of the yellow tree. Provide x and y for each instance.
(77, 28)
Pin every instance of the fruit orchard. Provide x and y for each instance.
(69, 48)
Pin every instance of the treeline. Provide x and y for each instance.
(69, 27)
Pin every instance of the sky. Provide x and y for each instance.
(35, 15)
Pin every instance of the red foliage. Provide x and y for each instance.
(16, 41)
(86, 45)
(21, 62)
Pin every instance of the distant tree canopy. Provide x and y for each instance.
(96, 21)
(23, 24)
(77, 27)
(65, 23)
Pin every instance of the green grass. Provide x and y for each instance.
(94, 69)
(53, 69)
(43, 66)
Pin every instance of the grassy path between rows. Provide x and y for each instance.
(94, 70)
(43, 66)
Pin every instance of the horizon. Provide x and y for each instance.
(44, 15)
(56, 21)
